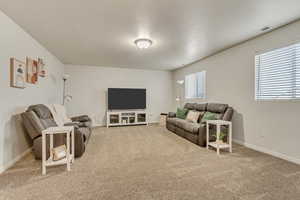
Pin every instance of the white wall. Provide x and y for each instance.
(270, 126)
(88, 86)
(15, 42)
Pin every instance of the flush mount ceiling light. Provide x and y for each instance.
(180, 82)
(143, 43)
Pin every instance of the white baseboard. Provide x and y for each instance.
(97, 125)
(267, 151)
(13, 161)
(153, 122)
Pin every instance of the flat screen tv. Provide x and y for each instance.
(126, 98)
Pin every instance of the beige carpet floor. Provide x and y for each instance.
(151, 163)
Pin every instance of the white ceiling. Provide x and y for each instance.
(102, 32)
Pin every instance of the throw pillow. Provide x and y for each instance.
(193, 116)
(209, 116)
(201, 115)
(181, 113)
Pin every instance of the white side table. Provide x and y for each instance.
(68, 130)
(219, 144)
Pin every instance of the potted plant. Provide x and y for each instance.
(221, 137)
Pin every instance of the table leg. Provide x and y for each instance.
(43, 154)
(207, 134)
(107, 120)
(51, 146)
(218, 137)
(73, 145)
(230, 138)
(68, 151)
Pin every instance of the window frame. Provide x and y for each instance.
(204, 86)
(260, 52)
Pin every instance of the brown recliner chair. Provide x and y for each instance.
(38, 118)
(196, 132)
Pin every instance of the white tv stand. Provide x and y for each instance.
(126, 118)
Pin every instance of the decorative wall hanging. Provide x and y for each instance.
(32, 70)
(41, 68)
(17, 73)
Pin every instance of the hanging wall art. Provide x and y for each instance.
(32, 70)
(17, 73)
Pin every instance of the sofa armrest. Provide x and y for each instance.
(81, 118)
(171, 114)
(32, 123)
(87, 124)
(228, 114)
(202, 135)
(75, 124)
(79, 143)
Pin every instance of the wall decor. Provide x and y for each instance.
(32, 70)
(17, 73)
(41, 67)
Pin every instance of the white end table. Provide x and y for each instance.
(218, 144)
(68, 130)
(163, 119)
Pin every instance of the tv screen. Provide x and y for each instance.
(125, 98)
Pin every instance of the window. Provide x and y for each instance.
(195, 85)
(278, 74)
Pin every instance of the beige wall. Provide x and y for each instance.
(269, 126)
(14, 42)
(88, 86)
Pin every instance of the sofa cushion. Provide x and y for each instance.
(196, 106)
(193, 116)
(48, 123)
(190, 126)
(81, 118)
(190, 106)
(41, 111)
(200, 107)
(216, 107)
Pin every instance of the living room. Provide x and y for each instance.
(198, 58)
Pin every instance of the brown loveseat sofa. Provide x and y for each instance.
(196, 132)
(39, 117)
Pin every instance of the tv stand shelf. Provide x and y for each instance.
(126, 118)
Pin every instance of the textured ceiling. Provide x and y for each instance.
(102, 32)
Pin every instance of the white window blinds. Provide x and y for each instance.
(278, 74)
(195, 85)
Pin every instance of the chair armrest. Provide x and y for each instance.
(81, 118)
(171, 114)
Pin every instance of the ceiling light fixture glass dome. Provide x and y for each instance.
(143, 43)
